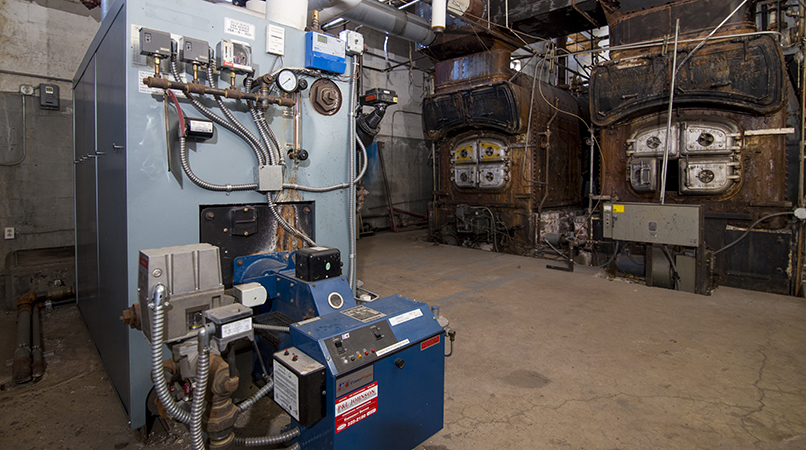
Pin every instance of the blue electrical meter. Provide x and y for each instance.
(324, 52)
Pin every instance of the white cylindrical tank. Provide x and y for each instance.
(292, 13)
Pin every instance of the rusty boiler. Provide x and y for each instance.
(500, 169)
(727, 144)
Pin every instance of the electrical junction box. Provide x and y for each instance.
(299, 383)
(353, 41)
(317, 263)
(269, 178)
(324, 52)
(250, 294)
(653, 223)
(155, 43)
(49, 96)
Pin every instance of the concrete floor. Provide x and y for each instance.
(543, 360)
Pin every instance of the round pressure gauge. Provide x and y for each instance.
(287, 80)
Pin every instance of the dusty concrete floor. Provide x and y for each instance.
(543, 360)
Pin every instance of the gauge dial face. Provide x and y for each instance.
(287, 81)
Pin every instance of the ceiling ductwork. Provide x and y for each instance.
(388, 19)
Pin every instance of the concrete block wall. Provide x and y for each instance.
(41, 41)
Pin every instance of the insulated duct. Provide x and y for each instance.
(378, 16)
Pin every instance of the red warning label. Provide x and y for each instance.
(144, 262)
(430, 343)
(356, 407)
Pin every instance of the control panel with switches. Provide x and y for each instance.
(360, 347)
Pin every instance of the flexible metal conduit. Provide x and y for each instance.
(248, 403)
(267, 440)
(335, 187)
(260, 121)
(260, 326)
(157, 370)
(228, 114)
(197, 406)
(209, 114)
(286, 225)
(183, 157)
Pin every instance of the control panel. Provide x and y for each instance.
(325, 52)
(360, 347)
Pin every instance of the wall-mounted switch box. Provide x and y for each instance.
(9, 233)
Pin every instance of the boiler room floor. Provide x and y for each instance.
(542, 360)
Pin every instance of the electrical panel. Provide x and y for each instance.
(49, 96)
(653, 223)
(325, 52)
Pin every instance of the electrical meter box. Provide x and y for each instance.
(324, 52)
(49, 96)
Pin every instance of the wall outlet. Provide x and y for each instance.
(9, 233)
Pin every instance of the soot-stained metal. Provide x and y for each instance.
(724, 155)
(497, 173)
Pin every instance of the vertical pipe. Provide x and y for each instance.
(669, 124)
(590, 184)
(352, 201)
(38, 366)
(439, 10)
(798, 290)
(21, 370)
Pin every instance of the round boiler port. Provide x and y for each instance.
(653, 142)
(706, 176)
(335, 300)
(706, 139)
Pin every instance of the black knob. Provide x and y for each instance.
(400, 363)
(302, 84)
(302, 155)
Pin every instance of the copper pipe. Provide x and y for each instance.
(193, 88)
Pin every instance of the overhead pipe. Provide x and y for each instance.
(391, 20)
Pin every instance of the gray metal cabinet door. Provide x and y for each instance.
(85, 194)
(112, 337)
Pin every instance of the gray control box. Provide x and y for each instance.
(194, 51)
(191, 275)
(653, 223)
(155, 43)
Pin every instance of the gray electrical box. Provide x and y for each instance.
(155, 43)
(194, 51)
(653, 223)
(191, 275)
